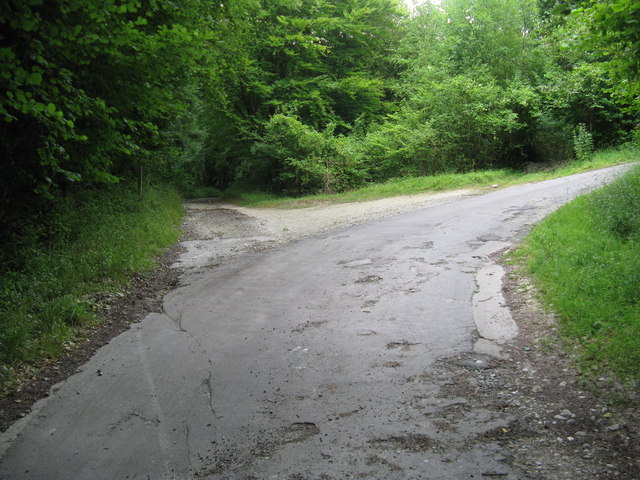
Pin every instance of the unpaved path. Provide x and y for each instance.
(218, 230)
(364, 352)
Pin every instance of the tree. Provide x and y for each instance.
(87, 87)
(613, 34)
(321, 62)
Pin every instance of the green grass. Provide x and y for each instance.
(437, 183)
(585, 259)
(89, 243)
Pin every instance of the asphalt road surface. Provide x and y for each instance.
(311, 361)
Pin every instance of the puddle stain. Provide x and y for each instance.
(310, 324)
(404, 345)
(369, 279)
(412, 442)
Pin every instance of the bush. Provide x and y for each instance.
(618, 206)
(446, 125)
(295, 158)
(582, 142)
(551, 139)
(401, 147)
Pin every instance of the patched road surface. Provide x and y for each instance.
(328, 358)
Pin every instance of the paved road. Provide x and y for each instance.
(316, 360)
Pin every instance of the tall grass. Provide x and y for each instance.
(585, 258)
(92, 242)
(411, 185)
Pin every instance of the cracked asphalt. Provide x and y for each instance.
(322, 358)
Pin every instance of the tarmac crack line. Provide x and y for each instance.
(177, 321)
(207, 382)
(187, 433)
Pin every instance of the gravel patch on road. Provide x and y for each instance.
(218, 230)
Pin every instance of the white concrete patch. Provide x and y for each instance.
(487, 347)
(492, 318)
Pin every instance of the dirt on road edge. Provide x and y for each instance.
(118, 312)
(566, 426)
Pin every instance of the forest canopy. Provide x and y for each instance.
(297, 96)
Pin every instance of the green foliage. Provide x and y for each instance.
(586, 262)
(618, 207)
(575, 87)
(100, 91)
(551, 138)
(88, 87)
(90, 242)
(320, 62)
(495, 34)
(615, 33)
(610, 33)
(582, 142)
(451, 124)
(482, 179)
(296, 158)
(471, 86)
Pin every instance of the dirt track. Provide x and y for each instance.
(217, 230)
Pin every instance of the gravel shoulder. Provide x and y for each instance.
(562, 426)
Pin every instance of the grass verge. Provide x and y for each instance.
(585, 260)
(89, 243)
(437, 183)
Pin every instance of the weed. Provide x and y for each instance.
(582, 143)
(586, 261)
(90, 242)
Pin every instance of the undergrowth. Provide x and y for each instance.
(246, 196)
(90, 242)
(585, 259)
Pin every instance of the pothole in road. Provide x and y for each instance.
(369, 279)
(412, 442)
(310, 324)
(298, 432)
(489, 238)
(355, 263)
(403, 345)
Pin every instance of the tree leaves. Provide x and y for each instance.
(97, 89)
(108, 71)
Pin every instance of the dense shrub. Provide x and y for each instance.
(295, 158)
(582, 142)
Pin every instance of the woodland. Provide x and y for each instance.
(298, 96)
